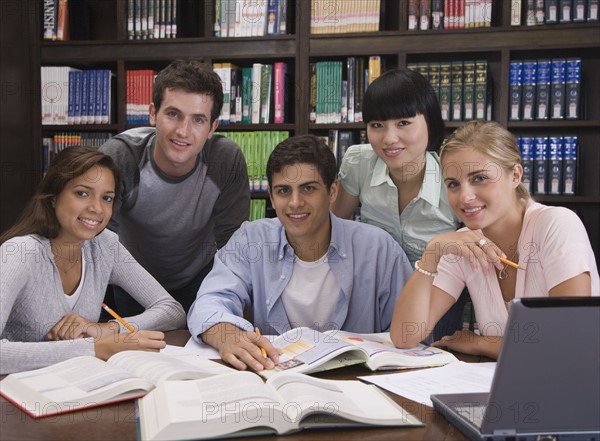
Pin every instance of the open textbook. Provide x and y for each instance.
(305, 350)
(241, 404)
(87, 381)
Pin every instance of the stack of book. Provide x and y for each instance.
(256, 147)
(463, 88)
(545, 89)
(254, 95)
(337, 88)
(250, 18)
(449, 14)
(148, 19)
(344, 16)
(549, 164)
(73, 96)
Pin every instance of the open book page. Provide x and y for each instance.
(307, 350)
(175, 365)
(459, 377)
(74, 383)
(330, 401)
(383, 354)
(211, 407)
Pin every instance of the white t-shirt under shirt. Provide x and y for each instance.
(72, 299)
(311, 295)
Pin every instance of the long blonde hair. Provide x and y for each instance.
(490, 139)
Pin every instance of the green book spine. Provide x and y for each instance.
(246, 95)
(456, 81)
(445, 90)
(481, 89)
(469, 90)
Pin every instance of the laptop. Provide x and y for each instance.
(546, 385)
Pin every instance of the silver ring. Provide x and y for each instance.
(482, 242)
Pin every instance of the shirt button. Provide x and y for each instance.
(268, 302)
(282, 276)
(280, 256)
(343, 255)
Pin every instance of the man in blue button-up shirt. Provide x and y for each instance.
(305, 268)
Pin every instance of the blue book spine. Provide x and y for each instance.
(555, 169)
(529, 89)
(98, 97)
(105, 97)
(573, 88)
(91, 98)
(570, 164)
(540, 170)
(526, 148)
(85, 81)
(557, 97)
(516, 89)
(72, 97)
(543, 89)
(78, 78)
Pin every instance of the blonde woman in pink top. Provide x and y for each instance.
(482, 172)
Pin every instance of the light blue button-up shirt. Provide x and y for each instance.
(365, 175)
(252, 270)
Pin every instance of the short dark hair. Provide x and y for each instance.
(304, 149)
(404, 93)
(190, 76)
(39, 216)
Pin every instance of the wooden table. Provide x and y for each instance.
(118, 421)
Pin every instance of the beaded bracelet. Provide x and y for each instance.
(422, 271)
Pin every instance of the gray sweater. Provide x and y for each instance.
(32, 300)
(173, 226)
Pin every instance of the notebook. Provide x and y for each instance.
(546, 386)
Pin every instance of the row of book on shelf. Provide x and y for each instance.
(256, 147)
(253, 95)
(549, 164)
(539, 12)
(251, 18)
(449, 14)
(337, 88)
(74, 96)
(463, 88)
(258, 209)
(149, 19)
(545, 89)
(51, 145)
(139, 95)
(345, 16)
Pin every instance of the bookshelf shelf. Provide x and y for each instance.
(397, 46)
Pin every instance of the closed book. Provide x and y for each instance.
(483, 101)
(413, 15)
(515, 86)
(555, 169)
(566, 10)
(445, 90)
(312, 114)
(266, 94)
(359, 90)
(246, 95)
(573, 89)
(530, 13)
(49, 20)
(437, 14)
(434, 78)
(456, 81)
(540, 170)
(515, 12)
(424, 14)
(256, 90)
(592, 10)
(527, 154)
(529, 89)
(468, 90)
(280, 92)
(579, 10)
(570, 147)
(543, 89)
(346, 138)
(539, 12)
(557, 88)
(552, 11)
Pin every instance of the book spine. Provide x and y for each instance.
(527, 154)
(85, 96)
(246, 95)
(49, 20)
(515, 86)
(540, 171)
(445, 90)
(530, 13)
(555, 169)
(457, 90)
(78, 79)
(557, 98)
(551, 11)
(469, 90)
(98, 93)
(280, 70)
(543, 89)
(312, 115)
(579, 10)
(360, 89)
(566, 8)
(266, 94)
(529, 89)
(573, 88)
(434, 78)
(424, 14)
(482, 90)
(72, 97)
(413, 11)
(592, 10)
(569, 165)
(350, 75)
(233, 93)
(256, 88)
(515, 12)
(437, 14)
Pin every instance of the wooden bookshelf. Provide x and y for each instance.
(109, 48)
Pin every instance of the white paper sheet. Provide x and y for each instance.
(457, 377)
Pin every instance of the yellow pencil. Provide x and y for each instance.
(118, 317)
(509, 263)
(262, 350)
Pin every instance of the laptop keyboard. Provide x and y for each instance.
(473, 413)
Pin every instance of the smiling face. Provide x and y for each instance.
(480, 191)
(182, 128)
(400, 143)
(301, 200)
(85, 205)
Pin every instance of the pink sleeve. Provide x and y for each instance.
(451, 276)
